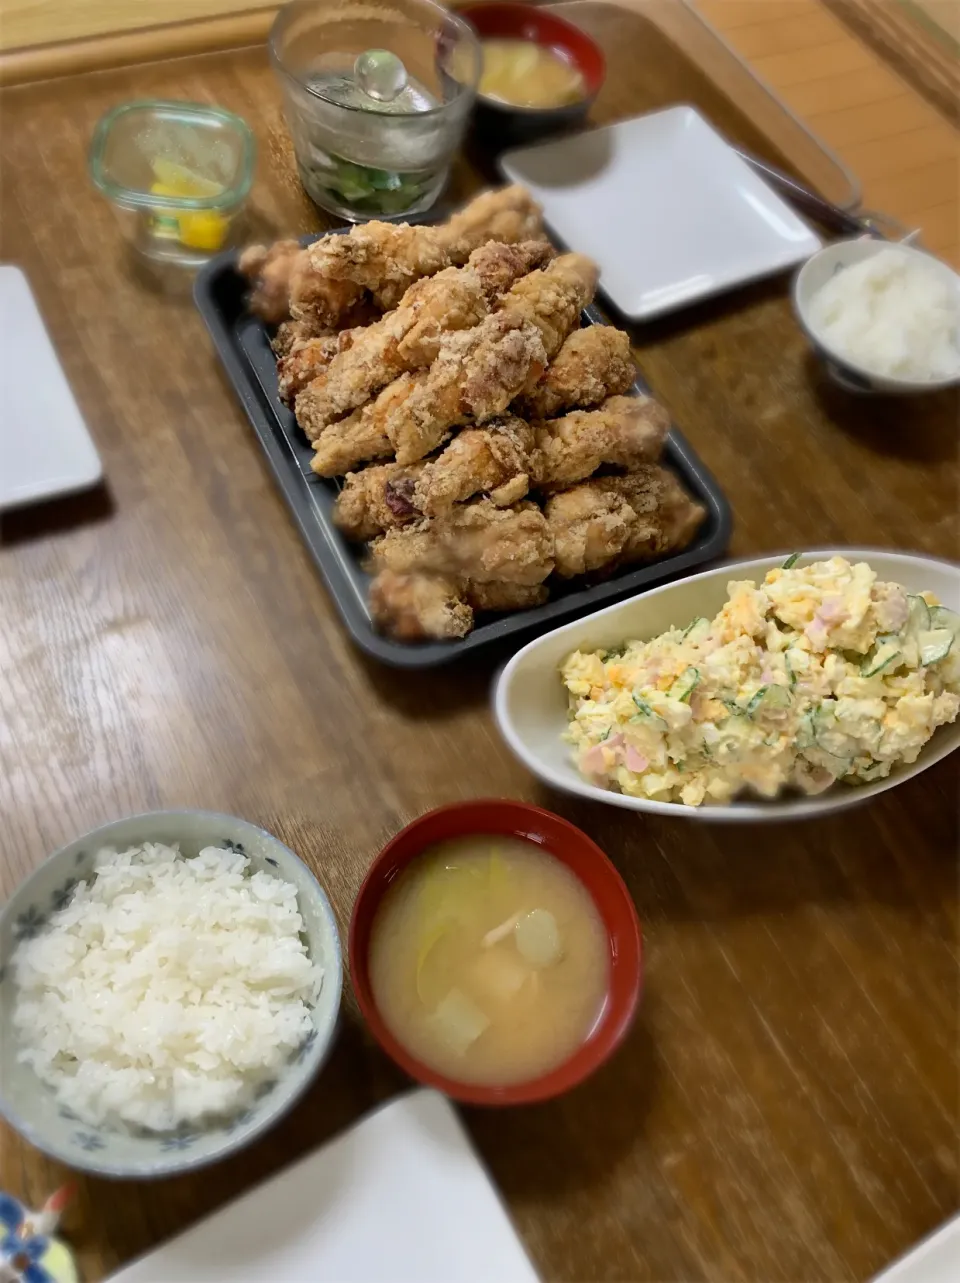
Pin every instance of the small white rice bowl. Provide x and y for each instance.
(886, 311)
(175, 1008)
(166, 990)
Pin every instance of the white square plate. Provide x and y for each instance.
(667, 209)
(45, 448)
(399, 1198)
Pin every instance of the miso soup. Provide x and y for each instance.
(488, 960)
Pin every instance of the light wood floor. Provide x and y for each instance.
(906, 155)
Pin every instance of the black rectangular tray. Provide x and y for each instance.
(242, 343)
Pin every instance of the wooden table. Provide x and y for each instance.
(786, 1105)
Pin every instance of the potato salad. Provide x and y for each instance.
(821, 673)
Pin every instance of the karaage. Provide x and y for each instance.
(624, 432)
(592, 364)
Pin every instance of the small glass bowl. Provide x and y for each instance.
(181, 173)
(364, 160)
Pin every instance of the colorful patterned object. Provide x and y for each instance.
(28, 1251)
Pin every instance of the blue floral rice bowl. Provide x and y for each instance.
(113, 1149)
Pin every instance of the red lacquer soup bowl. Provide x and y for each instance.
(607, 890)
(502, 124)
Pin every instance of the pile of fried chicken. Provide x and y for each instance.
(485, 441)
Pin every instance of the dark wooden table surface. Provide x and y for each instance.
(786, 1106)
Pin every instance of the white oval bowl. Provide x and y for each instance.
(531, 703)
(845, 371)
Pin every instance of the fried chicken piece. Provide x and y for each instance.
(613, 521)
(304, 360)
(421, 607)
(592, 364)
(320, 302)
(494, 458)
(624, 432)
(477, 541)
(287, 335)
(476, 375)
(503, 596)
(270, 269)
(590, 528)
(553, 297)
(360, 437)
(377, 499)
(417, 607)
(508, 214)
(384, 258)
(456, 298)
(658, 499)
(318, 284)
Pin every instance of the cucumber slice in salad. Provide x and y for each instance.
(647, 716)
(941, 617)
(935, 645)
(805, 736)
(685, 685)
(884, 656)
(769, 698)
(696, 630)
(918, 618)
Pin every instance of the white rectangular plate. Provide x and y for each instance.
(45, 448)
(935, 1260)
(667, 209)
(400, 1198)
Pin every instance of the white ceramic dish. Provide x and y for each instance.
(811, 279)
(531, 703)
(933, 1260)
(668, 210)
(399, 1198)
(45, 448)
(31, 1107)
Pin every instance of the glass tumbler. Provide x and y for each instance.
(360, 157)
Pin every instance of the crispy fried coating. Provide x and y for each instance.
(553, 297)
(318, 301)
(476, 541)
(614, 521)
(508, 214)
(656, 496)
(319, 284)
(270, 269)
(592, 364)
(287, 335)
(455, 299)
(360, 437)
(305, 359)
(504, 596)
(413, 606)
(494, 459)
(476, 375)
(377, 499)
(458, 298)
(416, 607)
(384, 258)
(624, 432)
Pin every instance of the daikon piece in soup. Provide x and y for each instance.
(488, 960)
(524, 74)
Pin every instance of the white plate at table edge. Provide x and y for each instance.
(530, 703)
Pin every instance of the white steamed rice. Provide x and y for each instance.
(167, 989)
(893, 315)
